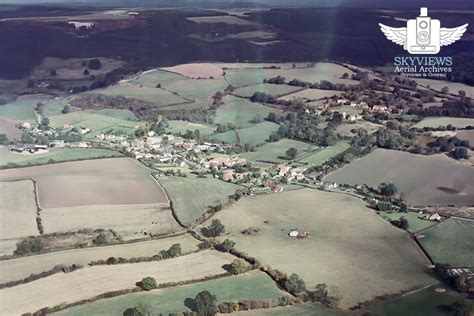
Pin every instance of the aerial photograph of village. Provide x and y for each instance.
(210, 157)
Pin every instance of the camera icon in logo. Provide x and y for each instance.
(423, 35)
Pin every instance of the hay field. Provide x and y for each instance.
(458, 122)
(311, 94)
(192, 196)
(16, 269)
(424, 180)
(197, 89)
(92, 182)
(89, 282)
(349, 246)
(131, 221)
(241, 112)
(17, 209)
(272, 89)
(325, 154)
(154, 77)
(198, 70)
(451, 241)
(56, 154)
(8, 127)
(252, 285)
(276, 152)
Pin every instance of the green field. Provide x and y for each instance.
(253, 285)
(415, 224)
(276, 152)
(325, 154)
(253, 135)
(197, 89)
(241, 112)
(452, 242)
(272, 89)
(349, 244)
(177, 127)
(152, 78)
(458, 122)
(299, 310)
(424, 302)
(58, 155)
(311, 94)
(126, 115)
(345, 129)
(192, 196)
(22, 109)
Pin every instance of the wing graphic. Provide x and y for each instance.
(396, 35)
(449, 36)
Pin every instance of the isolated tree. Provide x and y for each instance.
(45, 121)
(29, 245)
(86, 72)
(462, 93)
(53, 72)
(94, 64)
(226, 245)
(205, 304)
(139, 310)
(66, 109)
(291, 153)
(345, 75)
(215, 229)
(403, 223)
(40, 108)
(238, 266)
(174, 251)
(294, 284)
(460, 153)
(388, 189)
(100, 239)
(445, 90)
(148, 284)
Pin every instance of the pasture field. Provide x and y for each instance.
(349, 244)
(192, 196)
(345, 129)
(252, 285)
(131, 221)
(311, 94)
(275, 90)
(424, 180)
(239, 77)
(157, 96)
(452, 241)
(241, 112)
(197, 89)
(458, 122)
(454, 87)
(57, 154)
(90, 282)
(423, 302)
(154, 77)
(93, 182)
(325, 154)
(253, 135)
(17, 209)
(177, 127)
(9, 86)
(23, 108)
(16, 269)
(8, 127)
(126, 115)
(198, 70)
(305, 309)
(95, 122)
(415, 224)
(466, 135)
(227, 19)
(276, 152)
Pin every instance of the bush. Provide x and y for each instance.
(226, 245)
(215, 229)
(148, 284)
(174, 251)
(100, 239)
(205, 304)
(94, 64)
(139, 310)
(238, 266)
(28, 245)
(294, 284)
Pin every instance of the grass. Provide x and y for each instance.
(241, 112)
(311, 94)
(153, 78)
(454, 87)
(253, 285)
(423, 180)
(424, 302)
(197, 89)
(18, 209)
(458, 122)
(325, 154)
(452, 242)
(22, 109)
(181, 127)
(56, 154)
(349, 244)
(192, 196)
(299, 310)
(345, 129)
(126, 115)
(253, 135)
(415, 224)
(272, 89)
(276, 152)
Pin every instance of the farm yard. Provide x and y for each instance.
(451, 241)
(413, 175)
(16, 269)
(458, 122)
(348, 244)
(276, 152)
(252, 285)
(90, 282)
(55, 154)
(192, 196)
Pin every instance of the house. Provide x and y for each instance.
(59, 143)
(275, 187)
(341, 101)
(17, 149)
(283, 170)
(228, 175)
(331, 186)
(293, 233)
(26, 125)
(431, 217)
(354, 117)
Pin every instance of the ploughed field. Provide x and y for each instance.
(423, 180)
(348, 245)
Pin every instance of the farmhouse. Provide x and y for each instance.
(275, 187)
(431, 217)
(283, 170)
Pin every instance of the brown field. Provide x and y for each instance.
(17, 209)
(20, 268)
(130, 221)
(90, 282)
(8, 128)
(196, 71)
(423, 180)
(93, 182)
